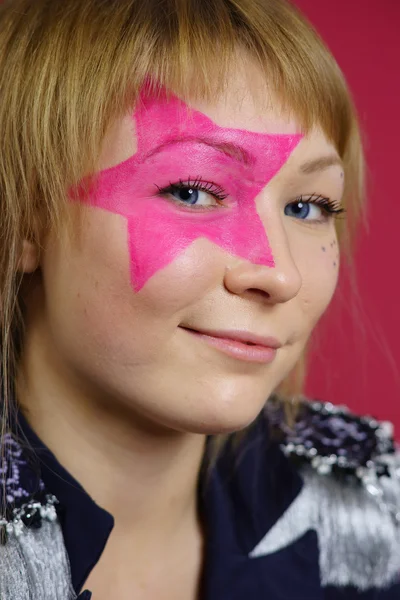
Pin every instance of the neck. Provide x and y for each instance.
(144, 475)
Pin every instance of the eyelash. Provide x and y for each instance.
(331, 207)
(196, 184)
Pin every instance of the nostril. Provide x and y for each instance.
(258, 292)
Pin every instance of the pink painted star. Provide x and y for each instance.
(176, 143)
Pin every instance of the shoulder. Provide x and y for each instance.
(23, 499)
(33, 560)
(350, 468)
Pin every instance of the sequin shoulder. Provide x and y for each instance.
(350, 466)
(333, 440)
(23, 498)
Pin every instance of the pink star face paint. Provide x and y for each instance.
(176, 143)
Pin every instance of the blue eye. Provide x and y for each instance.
(197, 193)
(300, 210)
(313, 208)
(186, 194)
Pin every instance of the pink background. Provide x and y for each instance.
(357, 352)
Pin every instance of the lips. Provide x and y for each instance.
(241, 345)
(245, 337)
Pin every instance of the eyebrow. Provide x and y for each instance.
(238, 153)
(320, 164)
(228, 148)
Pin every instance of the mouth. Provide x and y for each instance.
(242, 345)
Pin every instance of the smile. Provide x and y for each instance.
(241, 345)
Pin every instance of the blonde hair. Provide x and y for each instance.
(69, 67)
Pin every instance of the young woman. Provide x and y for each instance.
(176, 180)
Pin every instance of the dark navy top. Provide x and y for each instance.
(240, 500)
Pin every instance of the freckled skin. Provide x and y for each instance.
(329, 251)
(125, 348)
(333, 244)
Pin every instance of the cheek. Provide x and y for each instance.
(92, 283)
(182, 283)
(87, 277)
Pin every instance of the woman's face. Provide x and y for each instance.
(208, 218)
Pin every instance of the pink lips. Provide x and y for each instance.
(241, 344)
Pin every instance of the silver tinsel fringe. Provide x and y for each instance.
(358, 529)
(34, 565)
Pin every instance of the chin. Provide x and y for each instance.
(217, 406)
(219, 427)
(234, 411)
(222, 420)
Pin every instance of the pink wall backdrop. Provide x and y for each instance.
(357, 351)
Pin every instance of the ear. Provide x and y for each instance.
(29, 259)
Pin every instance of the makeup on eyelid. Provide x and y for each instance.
(174, 140)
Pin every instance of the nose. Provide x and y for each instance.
(276, 284)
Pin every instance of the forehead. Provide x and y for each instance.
(239, 107)
(249, 104)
